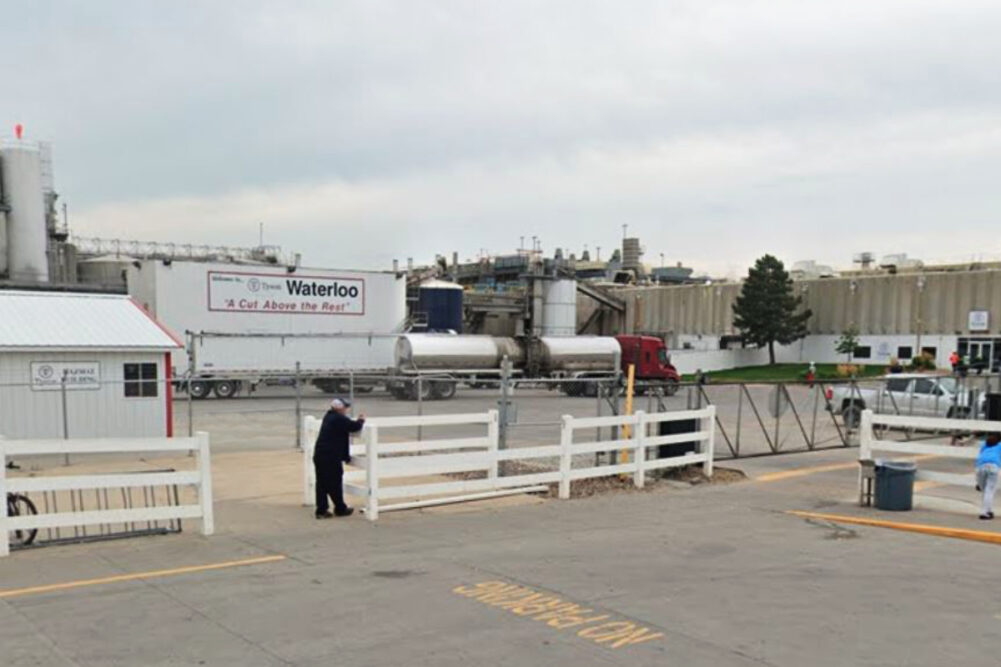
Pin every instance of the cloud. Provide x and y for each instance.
(363, 131)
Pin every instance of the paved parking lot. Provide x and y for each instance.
(710, 575)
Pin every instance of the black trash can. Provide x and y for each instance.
(895, 485)
(677, 427)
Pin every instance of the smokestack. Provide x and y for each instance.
(410, 264)
(396, 266)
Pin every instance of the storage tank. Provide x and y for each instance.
(21, 180)
(631, 254)
(442, 302)
(107, 270)
(559, 308)
(441, 351)
(580, 353)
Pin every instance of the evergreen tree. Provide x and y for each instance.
(767, 311)
(848, 342)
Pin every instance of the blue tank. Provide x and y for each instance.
(442, 303)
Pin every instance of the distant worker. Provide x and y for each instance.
(332, 451)
(811, 373)
(988, 464)
(896, 366)
(954, 361)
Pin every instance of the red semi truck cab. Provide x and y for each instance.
(649, 355)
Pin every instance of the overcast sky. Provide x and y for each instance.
(359, 132)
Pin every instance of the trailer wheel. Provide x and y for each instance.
(226, 388)
(443, 389)
(199, 388)
(852, 416)
(424, 386)
(671, 387)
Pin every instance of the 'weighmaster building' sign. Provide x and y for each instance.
(292, 293)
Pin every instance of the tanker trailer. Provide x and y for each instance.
(441, 361)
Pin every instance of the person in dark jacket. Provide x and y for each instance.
(332, 450)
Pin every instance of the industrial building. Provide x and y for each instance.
(900, 306)
(898, 315)
(82, 366)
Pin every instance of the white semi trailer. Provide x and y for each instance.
(248, 323)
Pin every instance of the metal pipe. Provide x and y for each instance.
(420, 406)
(298, 407)
(66, 419)
(816, 408)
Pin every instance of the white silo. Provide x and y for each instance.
(21, 179)
(559, 308)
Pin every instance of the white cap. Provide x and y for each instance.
(339, 404)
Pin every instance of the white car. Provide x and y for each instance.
(915, 394)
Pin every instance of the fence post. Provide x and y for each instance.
(639, 455)
(372, 473)
(351, 389)
(4, 533)
(505, 401)
(308, 474)
(865, 444)
(493, 438)
(66, 419)
(298, 406)
(566, 438)
(205, 483)
(710, 442)
(420, 407)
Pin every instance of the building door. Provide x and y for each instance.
(982, 352)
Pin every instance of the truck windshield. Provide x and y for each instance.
(662, 356)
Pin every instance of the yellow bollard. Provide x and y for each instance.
(627, 430)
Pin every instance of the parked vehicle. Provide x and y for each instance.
(441, 361)
(905, 394)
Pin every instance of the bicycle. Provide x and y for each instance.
(18, 505)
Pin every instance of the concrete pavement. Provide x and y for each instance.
(711, 575)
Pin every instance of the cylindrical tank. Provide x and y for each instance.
(21, 174)
(580, 353)
(107, 270)
(559, 308)
(443, 351)
(631, 253)
(442, 302)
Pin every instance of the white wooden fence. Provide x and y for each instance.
(384, 460)
(870, 444)
(201, 478)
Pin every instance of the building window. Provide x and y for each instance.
(140, 380)
(904, 352)
(863, 352)
(930, 351)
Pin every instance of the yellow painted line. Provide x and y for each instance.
(15, 592)
(811, 470)
(803, 472)
(923, 528)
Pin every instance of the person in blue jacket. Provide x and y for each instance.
(332, 451)
(988, 464)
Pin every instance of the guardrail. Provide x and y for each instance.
(200, 477)
(385, 460)
(869, 443)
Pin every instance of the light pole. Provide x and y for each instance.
(918, 322)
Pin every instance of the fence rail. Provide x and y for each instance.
(385, 461)
(201, 478)
(870, 443)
